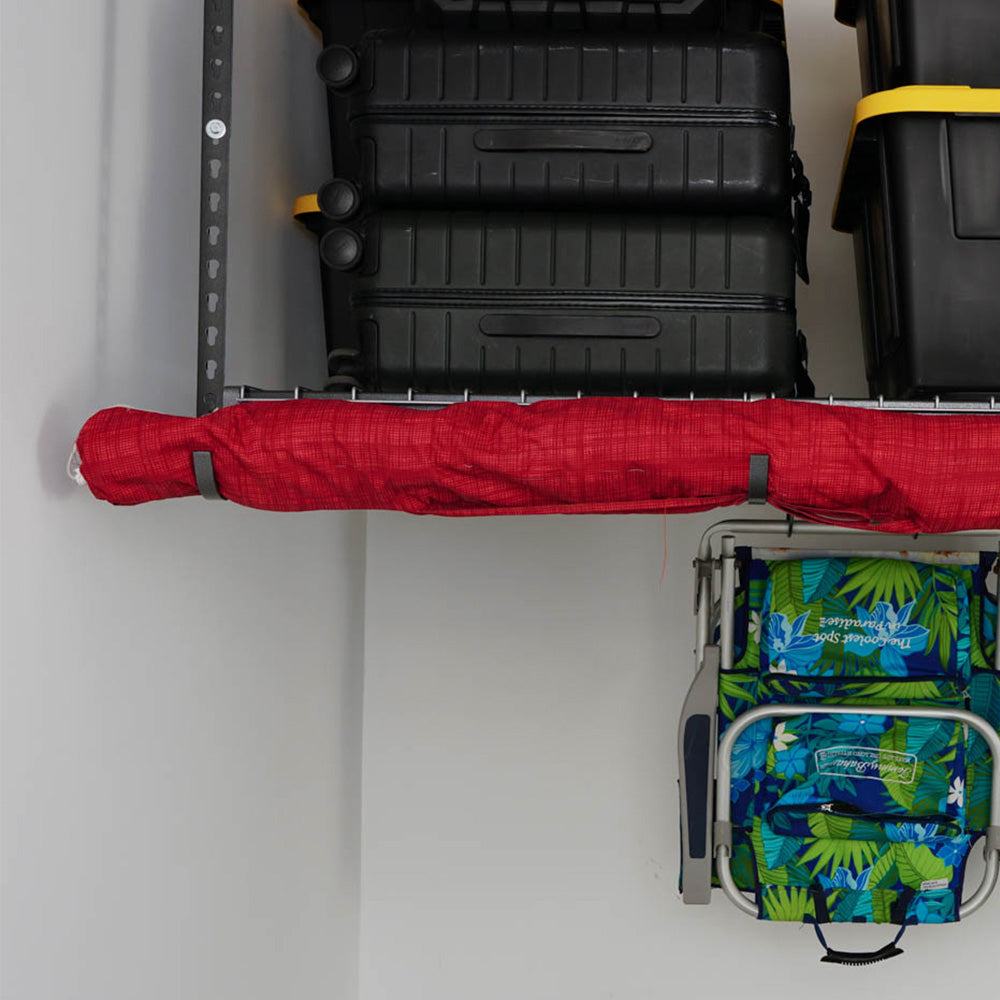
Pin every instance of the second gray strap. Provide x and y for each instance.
(760, 471)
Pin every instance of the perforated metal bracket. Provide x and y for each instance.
(217, 87)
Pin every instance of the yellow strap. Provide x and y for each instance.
(308, 204)
(928, 100)
(918, 99)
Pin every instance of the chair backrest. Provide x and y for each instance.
(859, 817)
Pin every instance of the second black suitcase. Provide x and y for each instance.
(559, 303)
(698, 122)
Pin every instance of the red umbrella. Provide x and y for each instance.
(892, 471)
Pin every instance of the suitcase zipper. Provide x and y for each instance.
(580, 299)
(501, 114)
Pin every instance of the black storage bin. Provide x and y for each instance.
(905, 42)
(556, 304)
(919, 193)
(698, 122)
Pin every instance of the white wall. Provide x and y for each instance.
(523, 684)
(181, 683)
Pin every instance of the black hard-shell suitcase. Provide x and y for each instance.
(559, 303)
(597, 15)
(903, 42)
(345, 21)
(919, 194)
(698, 122)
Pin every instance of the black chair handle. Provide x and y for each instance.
(834, 957)
(891, 950)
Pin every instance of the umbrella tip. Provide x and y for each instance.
(73, 468)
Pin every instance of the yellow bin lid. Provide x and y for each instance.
(915, 100)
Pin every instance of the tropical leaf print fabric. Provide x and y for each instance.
(858, 817)
(865, 618)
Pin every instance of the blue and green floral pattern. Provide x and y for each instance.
(856, 817)
(868, 772)
(865, 618)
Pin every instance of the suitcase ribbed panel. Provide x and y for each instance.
(699, 122)
(564, 303)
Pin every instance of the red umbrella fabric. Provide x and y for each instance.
(891, 471)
